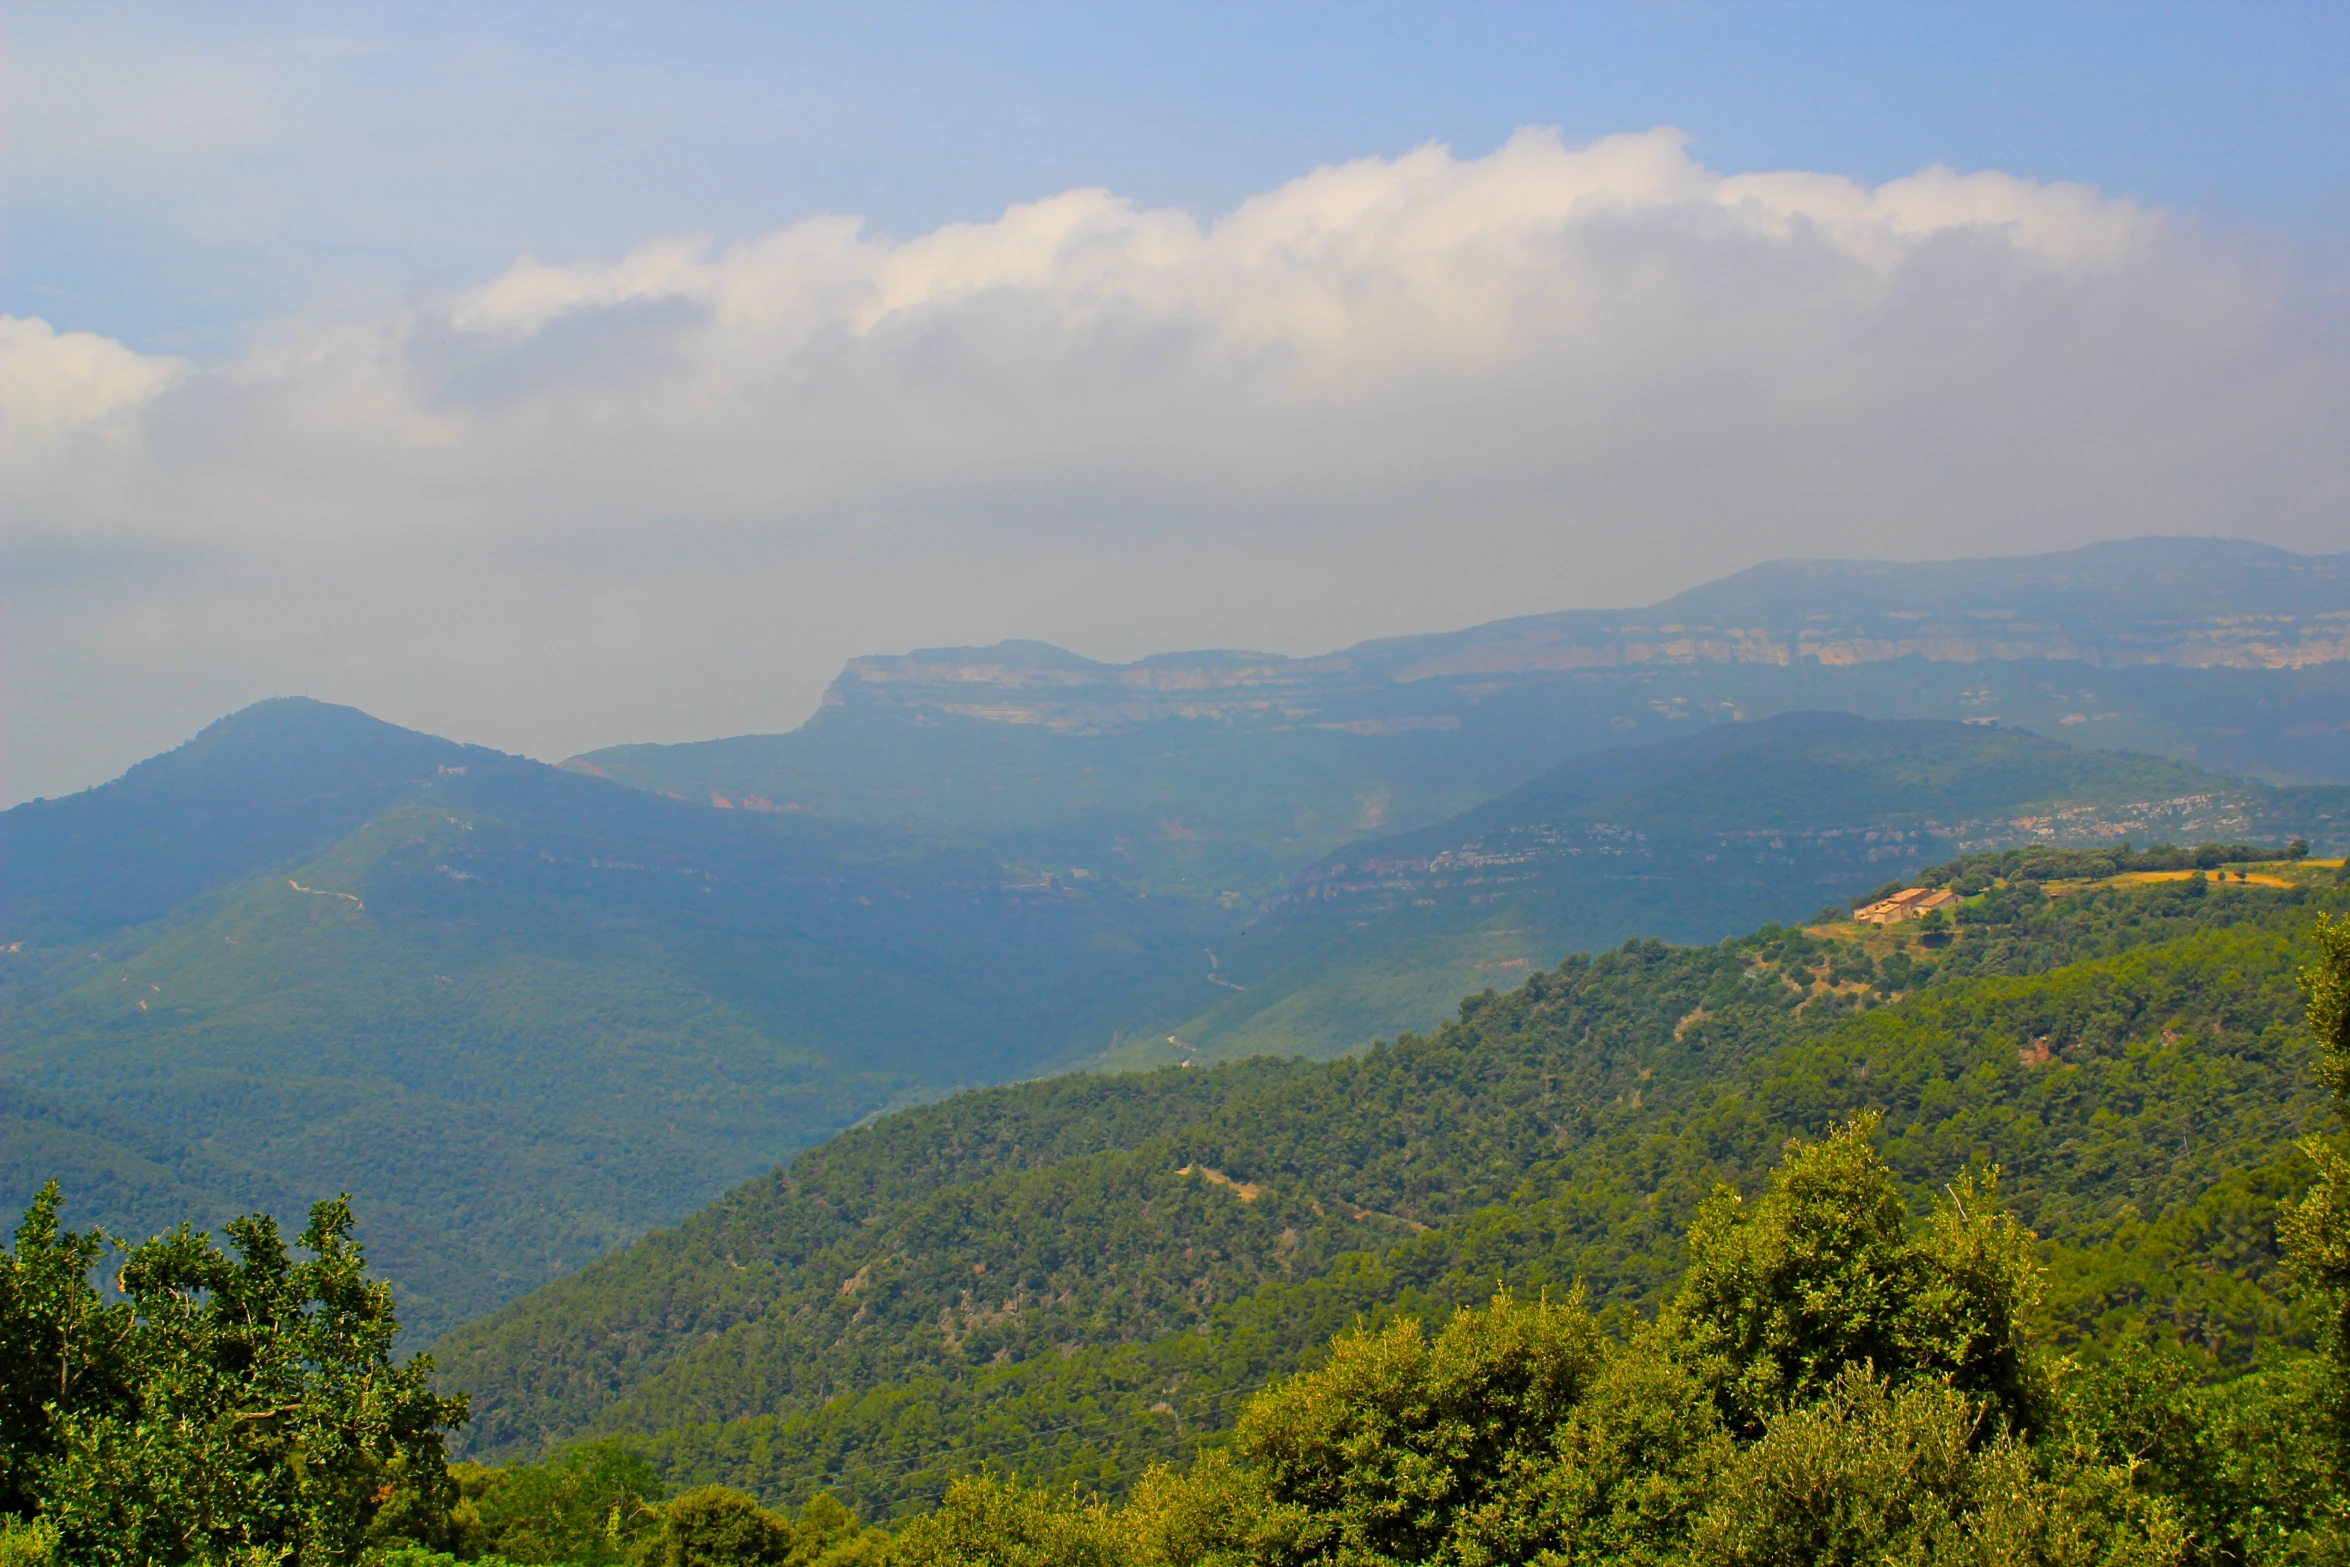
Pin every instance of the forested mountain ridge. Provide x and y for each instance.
(1689, 840)
(2221, 653)
(2127, 1053)
(273, 783)
(524, 1014)
(520, 1014)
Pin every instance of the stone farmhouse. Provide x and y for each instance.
(1908, 904)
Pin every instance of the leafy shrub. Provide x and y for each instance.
(988, 1521)
(1388, 1445)
(229, 1404)
(1823, 1272)
(590, 1507)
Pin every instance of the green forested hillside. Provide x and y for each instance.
(1689, 841)
(1840, 1377)
(275, 783)
(519, 1014)
(141, 1178)
(545, 1367)
(524, 1014)
(2128, 1054)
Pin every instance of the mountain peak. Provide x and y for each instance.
(269, 782)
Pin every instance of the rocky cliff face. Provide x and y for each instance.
(2191, 604)
(1032, 683)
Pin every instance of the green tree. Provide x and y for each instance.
(1871, 1472)
(2316, 1230)
(57, 1336)
(1823, 1272)
(719, 1527)
(989, 1521)
(1216, 1514)
(27, 1543)
(1836, 1382)
(232, 1404)
(2272, 1491)
(589, 1507)
(1633, 1467)
(1395, 1440)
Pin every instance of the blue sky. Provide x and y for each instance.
(498, 368)
(293, 154)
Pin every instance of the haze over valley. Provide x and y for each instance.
(1174, 787)
(311, 948)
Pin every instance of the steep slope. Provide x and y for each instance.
(1690, 840)
(519, 1013)
(1222, 772)
(1080, 1302)
(539, 1374)
(275, 782)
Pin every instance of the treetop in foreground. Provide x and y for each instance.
(217, 1404)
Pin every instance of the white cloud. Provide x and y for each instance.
(55, 385)
(665, 494)
(1383, 265)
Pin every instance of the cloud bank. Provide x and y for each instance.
(663, 496)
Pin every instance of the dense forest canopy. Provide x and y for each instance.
(2030, 1250)
(1030, 1275)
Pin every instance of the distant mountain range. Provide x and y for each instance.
(1222, 773)
(2144, 603)
(522, 1013)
